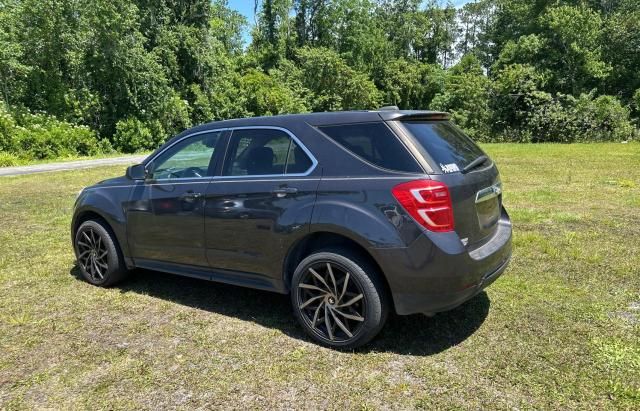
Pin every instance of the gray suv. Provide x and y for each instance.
(353, 214)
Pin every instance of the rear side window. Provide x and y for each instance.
(445, 143)
(297, 161)
(374, 142)
(258, 152)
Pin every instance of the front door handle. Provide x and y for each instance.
(283, 191)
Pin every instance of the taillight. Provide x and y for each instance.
(428, 202)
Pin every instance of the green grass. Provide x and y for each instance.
(561, 328)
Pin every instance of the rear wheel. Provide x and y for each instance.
(97, 254)
(338, 298)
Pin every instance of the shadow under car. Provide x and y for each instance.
(411, 335)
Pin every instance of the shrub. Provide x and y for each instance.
(603, 119)
(175, 117)
(265, 95)
(133, 135)
(38, 136)
(552, 119)
(410, 84)
(515, 94)
(466, 97)
(333, 84)
(7, 126)
(8, 159)
(57, 139)
(567, 119)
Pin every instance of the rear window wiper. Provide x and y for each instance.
(475, 163)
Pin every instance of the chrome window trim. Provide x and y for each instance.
(369, 163)
(173, 182)
(314, 161)
(155, 181)
(158, 154)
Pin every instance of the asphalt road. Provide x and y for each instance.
(69, 165)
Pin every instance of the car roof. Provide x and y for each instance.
(329, 117)
(313, 119)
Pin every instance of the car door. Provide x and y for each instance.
(261, 203)
(166, 214)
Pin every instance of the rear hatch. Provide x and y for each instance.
(470, 175)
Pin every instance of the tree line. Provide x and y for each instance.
(88, 76)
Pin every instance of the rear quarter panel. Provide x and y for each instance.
(363, 209)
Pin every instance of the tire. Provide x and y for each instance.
(332, 314)
(98, 255)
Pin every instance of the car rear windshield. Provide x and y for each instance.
(375, 143)
(445, 143)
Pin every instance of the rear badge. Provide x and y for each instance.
(449, 168)
(465, 241)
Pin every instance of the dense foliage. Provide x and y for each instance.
(91, 75)
(40, 137)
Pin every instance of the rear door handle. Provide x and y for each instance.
(283, 191)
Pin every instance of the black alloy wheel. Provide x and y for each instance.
(332, 303)
(92, 254)
(97, 254)
(338, 303)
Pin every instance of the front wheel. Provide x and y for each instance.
(338, 298)
(97, 254)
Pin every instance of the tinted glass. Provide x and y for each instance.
(189, 158)
(255, 152)
(445, 143)
(374, 142)
(298, 161)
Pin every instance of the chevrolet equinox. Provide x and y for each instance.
(353, 214)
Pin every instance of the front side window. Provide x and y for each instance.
(259, 152)
(190, 158)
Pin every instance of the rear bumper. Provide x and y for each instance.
(438, 273)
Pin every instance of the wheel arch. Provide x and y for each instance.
(90, 213)
(87, 215)
(318, 240)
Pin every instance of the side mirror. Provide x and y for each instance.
(137, 172)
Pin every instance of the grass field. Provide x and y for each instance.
(561, 328)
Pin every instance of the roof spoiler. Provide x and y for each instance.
(413, 115)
